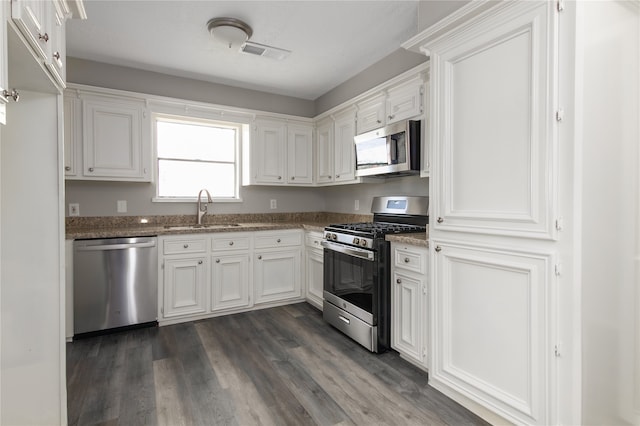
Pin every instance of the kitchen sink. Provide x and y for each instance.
(209, 226)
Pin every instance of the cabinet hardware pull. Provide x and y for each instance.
(186, 246)
(278, 240)
(379, 121)
(217, 260)
(399, 281)
(13, 94)
(91, 169)
(199, 262)
(44, 37)
(259, 257)
(440, 220)
(57, 55)
(391, 117)
(337, 176)
(406, 260)
(438, 249)
(293, 178)
(230, 243)
(67, 168)
(279, 177)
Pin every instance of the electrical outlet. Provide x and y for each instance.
(274, 204)
(122, 206)
(74, 209)
(356, 205)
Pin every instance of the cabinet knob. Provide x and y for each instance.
(230, 243)
(293, 178)
(337, 176)
(378, 121)
(67, 168)
(440, 220)
(438, 249)
(259, 257)
(90, 169)
(13, 94)
(217, 260)
(279, 177)
(406, 260)
(278, 240)
(44, 37)
(186, 246)
(199, 262)
(391, 117)
(57, 56)
(399, 281)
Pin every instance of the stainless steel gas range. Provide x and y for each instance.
(357, 266)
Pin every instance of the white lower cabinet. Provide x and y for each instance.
(409, 307)
(314, 268)
(185, 284)
(205, 275)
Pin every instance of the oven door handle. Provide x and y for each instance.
(351, 251)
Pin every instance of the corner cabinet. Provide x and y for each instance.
(281, 153)
(494, 220)
(107, 137)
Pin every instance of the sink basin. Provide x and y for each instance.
(210, 226)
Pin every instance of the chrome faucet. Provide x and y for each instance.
(202, 209)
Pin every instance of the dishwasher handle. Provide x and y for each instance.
(116, 246)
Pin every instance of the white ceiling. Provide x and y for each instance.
(331, 41)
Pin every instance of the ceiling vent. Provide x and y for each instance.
(235, 33)
(264, 50)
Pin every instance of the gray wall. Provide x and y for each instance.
(123, 78)
(431, 11)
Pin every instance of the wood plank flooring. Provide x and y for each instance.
(279, 366)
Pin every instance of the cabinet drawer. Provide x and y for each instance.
(186, 245)
(313, 239)
(235, 241)
(270, 239)
(410, 259)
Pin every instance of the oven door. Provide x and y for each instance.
(351, 280)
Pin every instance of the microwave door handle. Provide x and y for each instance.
(392, 148)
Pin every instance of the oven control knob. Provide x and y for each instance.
(356, 241)
(333, 237)
(363, 243)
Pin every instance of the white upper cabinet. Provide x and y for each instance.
(344, 149)
(324, 151)
(116, 142)
(282, 153)
(56, 57)
(493, 129)
(371, 114)
(72, 134)
(4, 59)
(299, 154)
(405, 101)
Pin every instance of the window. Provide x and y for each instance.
(193, 154)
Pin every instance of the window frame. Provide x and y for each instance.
(189, 119)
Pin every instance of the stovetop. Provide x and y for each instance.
(377, 229)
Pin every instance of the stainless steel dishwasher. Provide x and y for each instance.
(115, 283)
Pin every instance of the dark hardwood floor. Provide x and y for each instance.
(279, 366)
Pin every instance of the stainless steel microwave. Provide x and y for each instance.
(393, 149)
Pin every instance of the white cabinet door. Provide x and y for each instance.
(299, 154)
(324, 152)
(277, 275)
(4, 60)
(344, 158)
(371, 114)
(230, 281)
(314, 268)
(56, 57)
(408, 308)
(116, 139)
(72, 134)
(185, 283)
(493, 128)
(31, 17)
(493, 330)
(405, 101)
(270, 152)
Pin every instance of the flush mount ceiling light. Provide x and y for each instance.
(235, 33)
(231, 31)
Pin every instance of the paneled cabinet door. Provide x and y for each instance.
(493, 125)
(270, 152)
(277, 275)
(344, 148)
(493, 328)
(230, 282)
(407, 316)
(31, 16)
(324, 152)
(4, 59)
(185, 283)
(405, 101)
(56, 60)
(371, 114)
(116, 139)
(72, 134)
(299, 154)
(314, 270)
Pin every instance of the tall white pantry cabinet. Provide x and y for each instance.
(517, 130)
